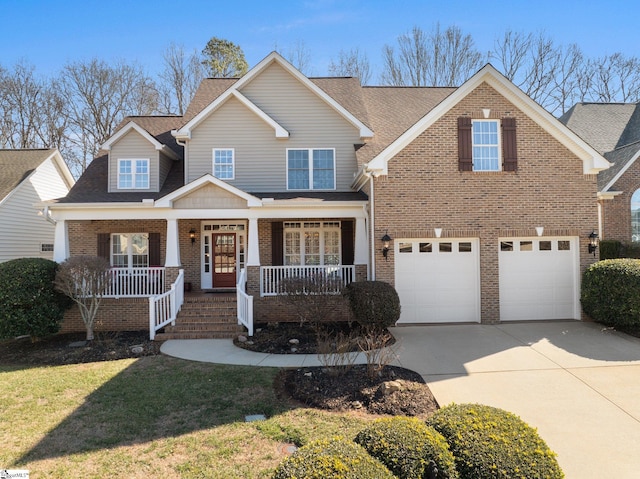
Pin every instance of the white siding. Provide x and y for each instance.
(260, 157)
(134, 145)
(23, 230)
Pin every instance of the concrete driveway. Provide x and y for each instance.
(577, 383)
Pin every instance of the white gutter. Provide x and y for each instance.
(372, 222)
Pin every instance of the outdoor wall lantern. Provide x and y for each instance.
(386, 239)
(192, 235)
(593, 242)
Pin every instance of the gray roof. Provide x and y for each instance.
(605, 126)
(17, 165)
(613, 129)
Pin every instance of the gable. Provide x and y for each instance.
(210, 197)
(592, 160)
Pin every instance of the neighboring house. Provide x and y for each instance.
(28, 177)
(613, 129)
(487, 201)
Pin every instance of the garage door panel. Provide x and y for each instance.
(438, 280)
(538, 278)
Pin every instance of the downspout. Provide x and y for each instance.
(372, 223)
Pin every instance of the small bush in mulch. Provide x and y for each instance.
(395, 390)
(409, 448)
(335, 458)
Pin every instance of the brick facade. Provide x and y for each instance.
(425, 190)
(616, 213)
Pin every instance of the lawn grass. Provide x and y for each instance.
(152, 417)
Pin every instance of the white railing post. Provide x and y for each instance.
(152, 318)
(244, 302)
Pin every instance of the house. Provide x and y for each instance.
(27, 177)
(613, 129)
(484, 201)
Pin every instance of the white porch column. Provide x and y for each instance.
(61, 242)
(361, 253)
(253, 246)
(173, 244)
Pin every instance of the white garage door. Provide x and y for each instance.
(539, 278)
(438, 280)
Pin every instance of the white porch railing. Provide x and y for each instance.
(135, 282)
(164, 308)
(329, 278)
(245, 303)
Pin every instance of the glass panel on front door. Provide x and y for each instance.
(224, 260)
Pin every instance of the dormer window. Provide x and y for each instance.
(133, 174)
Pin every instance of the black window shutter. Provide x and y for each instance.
(465, 150)
(509, 147)
(154, 250)
(104, 241)
(346, 228)
(277, 245)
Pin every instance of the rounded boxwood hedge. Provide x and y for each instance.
(490, 443)
(336, 458)
(374, 304)
(611, 292)
(407, 446)
(29, 303)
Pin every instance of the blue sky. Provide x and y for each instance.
(49, 33)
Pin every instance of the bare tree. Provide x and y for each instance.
(565, 89)
(299, 56)
(98, 96)
(180, 79)
(224, 59)
(615, 78)
(352, 63)
(438, 58)
(84, 279)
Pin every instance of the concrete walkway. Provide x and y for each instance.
(577, 383)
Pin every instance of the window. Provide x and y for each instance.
(130, 250)
(486, 145)
(312, 243)
(311, 169)
(133, 174)
(635, 216)
(223, 164)
(46, 247)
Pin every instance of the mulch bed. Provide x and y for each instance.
(72, 348)
(337, 388)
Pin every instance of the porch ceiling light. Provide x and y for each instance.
(593, 242)
(192, 235)
(386, 239)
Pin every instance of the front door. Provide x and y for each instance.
(224, 260)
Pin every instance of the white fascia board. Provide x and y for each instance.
(167, 201)
(63, 168)
(622, 171)
(279, 129)
(144, 133)
(592, 161)
(185, 131)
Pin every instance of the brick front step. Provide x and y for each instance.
(205, 317)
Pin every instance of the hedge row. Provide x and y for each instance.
(468, 441)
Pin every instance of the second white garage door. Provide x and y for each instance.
(539, 278)
(438, 280)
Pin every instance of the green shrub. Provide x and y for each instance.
(611, 292)
(29, 303)
(335, 458)
(407, 446)
(492, 443)
(610, 249)
(374, 304)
